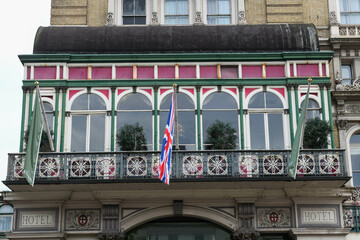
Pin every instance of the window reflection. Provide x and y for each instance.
(136, 108)
(313, 109)
(186, 120)
(355, 158)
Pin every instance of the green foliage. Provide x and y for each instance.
(221, 136)
(316, 134)
(131, 138)
(44, 143)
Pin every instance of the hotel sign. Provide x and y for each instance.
(319, 215)
(45, 219)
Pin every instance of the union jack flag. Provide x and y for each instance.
(165, 159)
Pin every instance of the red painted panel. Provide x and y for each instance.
(208, 71)
(205, 90)
(229, 72)
(234, 90)
(307, 70)
(124, 72)
(164, 90)
(72, 93)
(249, 90)
(252, 71)
(45, 72)
(191, 90)
(166, 72)
(281, 91)
(78, 73)
(28, 72)
(187, 72)
(105, 92)
(101, 73)
(145, 72)
(148, 90)
(120, 91)
(61, 72)
(273, 71)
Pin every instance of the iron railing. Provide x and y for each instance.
(242, 164)
(352, 217)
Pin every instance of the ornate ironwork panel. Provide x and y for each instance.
(248, 165)
(136, 166)
(192, 165)
(273, 165)
(217, 165)
(49, 167)
(329, 163)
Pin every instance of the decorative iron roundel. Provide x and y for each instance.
(274, 217)
(82, 220)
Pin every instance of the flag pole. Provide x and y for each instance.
(44, 117)
(176, 119)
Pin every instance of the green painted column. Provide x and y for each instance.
(21, 148)
(290, 113)
(296, 103)
(56, 115)
(330, 116)
(63, 106)
(322, 86)
(112, 140)
(31, 93)
(156, 118)
(242, 136)
(198, 115)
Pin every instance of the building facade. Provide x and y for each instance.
(105, 64)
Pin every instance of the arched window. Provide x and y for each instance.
(219, 106)
(355, 158)
(6, 213)
(49, 112)
(186, 120)
(266, 121)
(88, 113)
(313, 109)
(136, 108)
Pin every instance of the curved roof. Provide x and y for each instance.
(177, 39)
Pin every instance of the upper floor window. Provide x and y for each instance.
(313, 109)
(346, 74)
(6, 212)
(266, 121)
(49, 112)
(350, 11)
(134, 12)
(218, 12)
(176, 12)
(355, 158)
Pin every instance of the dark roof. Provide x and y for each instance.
(177, 39)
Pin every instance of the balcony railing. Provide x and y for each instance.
(349, 30)
(352, 217)
(201, 165)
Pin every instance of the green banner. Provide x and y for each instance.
(295, 148)
(33, 144)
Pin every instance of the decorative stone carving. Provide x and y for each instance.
(333, 18)
(111, 236)
(245, 231)
(198, 18)
(82, 219)
(110, 19)
(245, 234)
(352, 108)
(154, 18)
(242, 18)
(273, 217)
(342, 124)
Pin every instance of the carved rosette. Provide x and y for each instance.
(198, 18)
(354, 87)
(273, 217)
(333, 18)
(110, 19)
(154, 18)
(242, 18)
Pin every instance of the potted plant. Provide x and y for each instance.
(316, 134)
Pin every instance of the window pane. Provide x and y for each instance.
(143, 118)
(212, 20)
(170, 20)
(140, 20)
(5, 223)
(257, 131)
(276, 134)
(346, 71)
(219, 101)
(134, 101)
(186, 127)
(139, 7)
(182, 20)
(96, 102)
(257, 101)
(224, 6)
(212, 8)
(355, 5)
(312, 114)
(209, 117)
(272, 101)
(128, 7)
(354, 18)
(345, 18)
(356, 179)
(128, 20)
(50, 120)
(48, 107)
(182, 7)
(170, 7)
(97, 132)
(229, 72)
(355, 158)
(78, 133)
(223, 20)
(80, 103)
(183, 102)
(6, 209)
